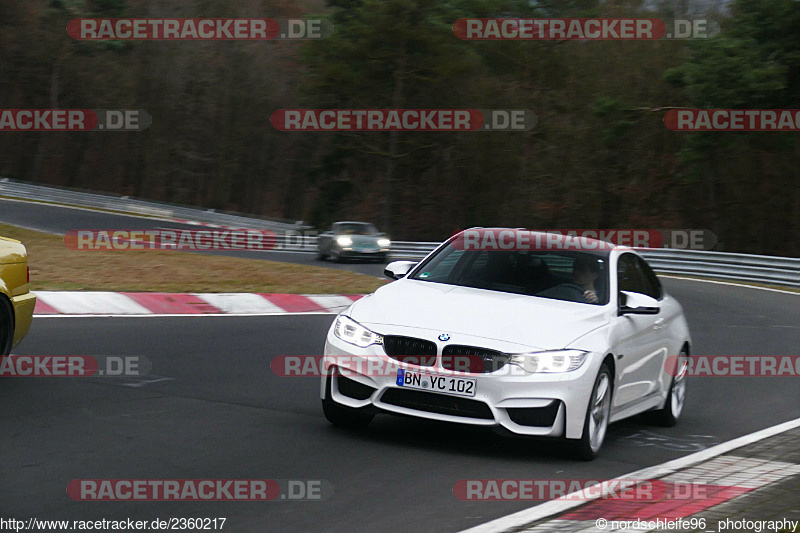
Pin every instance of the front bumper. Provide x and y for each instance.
(543, 405)
(23, 315)
(363, 253)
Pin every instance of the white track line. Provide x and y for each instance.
(565, 503)
(81, 208)
(729, 284)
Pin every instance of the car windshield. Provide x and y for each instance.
(560, 275)
(354, 228)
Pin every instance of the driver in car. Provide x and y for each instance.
(584, 273)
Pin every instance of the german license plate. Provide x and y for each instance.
(432, 383)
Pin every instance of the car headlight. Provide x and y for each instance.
(384, 243)
(354, 333)
(549, 362)
(344, 241)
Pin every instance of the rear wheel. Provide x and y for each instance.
(598, 414)
(6, 326)
(669, 414)
(343, 416)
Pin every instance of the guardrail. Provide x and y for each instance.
(726, 266)
(766, 269)
(784, 271)
(29, 191)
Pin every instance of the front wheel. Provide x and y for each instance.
(6, 326)
(598, 414)
(343, 416)
(676, 398)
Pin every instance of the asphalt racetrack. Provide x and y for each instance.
(213, 409)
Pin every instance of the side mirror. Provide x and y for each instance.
(398, 269)
(634, 303)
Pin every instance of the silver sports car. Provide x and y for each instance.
(347, 240)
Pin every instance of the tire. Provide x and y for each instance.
(598, 414)
(6, 326)
(342, 416)
(336, 257)
(676, 398)
(321, 256)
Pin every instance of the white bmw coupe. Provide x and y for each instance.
(556, 340)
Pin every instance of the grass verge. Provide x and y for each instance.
(56, 267)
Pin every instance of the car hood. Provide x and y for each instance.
(538, 323)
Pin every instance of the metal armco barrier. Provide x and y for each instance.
(716, 265)
(784, 271)
(28, 191)
(727, 266)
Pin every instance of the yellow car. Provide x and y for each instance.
(16, 299)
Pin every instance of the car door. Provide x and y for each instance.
(641, 350)
(670, 323)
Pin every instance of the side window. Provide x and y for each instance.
(652, 284)
(629, 275)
